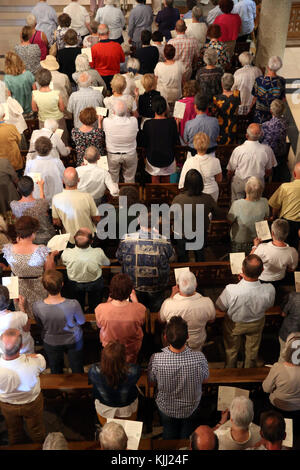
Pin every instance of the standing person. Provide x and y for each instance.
(190, 89)
(10, 140)
(169, 76)
(67, 55)
(46, 18)
(82, 65)
(166, 19)
(197, 28)
(21, 398)
(187, 49)
(147, 55)
(64, 24)
(225, 108)
(60, 320)
(80, 19)
(113, 17)
(247, 11)
(214, 34)
(178, 373)
(244, 79)
(230, 24)
(140, 18)
(209, 77)
(29, 53)
(37, 37)
(58, 147)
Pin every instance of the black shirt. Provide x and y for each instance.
(66, 59)
(145, 103)
(148, 57)
(160, 137)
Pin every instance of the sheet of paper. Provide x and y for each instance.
(59, 132)
(88, 52)
(35, 176)
(102, 162)
(101, 111)
(98, 88)
(204, 2)
(262, 230)
(12, 284)
(58, 242)
(179, 110)
(236, 261)
(6, 116)
(227, 394)
(288, 441)
(173, 33)
(188, 21)
(297, 280)
(133, 431)
(179, 271)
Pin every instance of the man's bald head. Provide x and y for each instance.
(83, 238)
(297, 171)
(203, 438)
(180, 26)
(11, 342)
(254, 131)
(120, 108)
(252, 266)
(70, 177)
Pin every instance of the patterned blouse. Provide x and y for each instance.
(226, 110)
(210, 81)
(223, 57)
(31, 56)
(266, 89)
(83, 140)
(275, 132)
(58, 37)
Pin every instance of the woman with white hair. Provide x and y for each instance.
(209, 77)
(244, 79)
(243, 214)
(225, 109)
(82, 65)
(131, 76)
(266, 89)
(55, 441)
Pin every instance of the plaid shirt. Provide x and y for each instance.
(179, 378)
(187, 50)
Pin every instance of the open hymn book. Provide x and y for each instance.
(262, 230)
(179, 271)
(12, 284)
(236, 262)
(297, 280)
(227, 394)
(133, 430)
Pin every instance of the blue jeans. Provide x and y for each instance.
(55, 356)
(178, 428)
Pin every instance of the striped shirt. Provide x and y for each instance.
(187, 50)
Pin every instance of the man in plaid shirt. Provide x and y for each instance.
(178, 373)
(187, 49)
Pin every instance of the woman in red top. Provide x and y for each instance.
(38, 37)
(230, 23)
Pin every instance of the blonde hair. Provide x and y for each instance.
(201, 142)
(118, 83)
(148, 81)
(13, 64)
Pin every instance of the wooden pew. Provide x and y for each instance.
(223, 153)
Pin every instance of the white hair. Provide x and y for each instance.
(2, 111)
(280, 229)
(245, 58)
(120, 108)
(277, 107)
(254, 135)
(55, 441)
(113, 437)
(187, 283)
(254, 188)
(51, 124)
(31, 20)
(275, 63)
(84, 80)
(241, 412)
(210, 56)
(227, 81)
(103, 30)
(82, 63)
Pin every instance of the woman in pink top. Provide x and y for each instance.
(38, 37)
(121, 319)
(230, 23)
(190, 89)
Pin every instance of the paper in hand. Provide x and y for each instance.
(102, 162)
(179, 271)
(133, 430)
(35, 177)
(88, 52)
(227, 394)
(236, 261)
(297, 280)
(12, 284)
(58, 242)
(6, 115)
(262, 230)
(179, 110)
(98, 88)
(59, 132)
(288, 441)
(101, 111)
(173, 34)
(188, 21)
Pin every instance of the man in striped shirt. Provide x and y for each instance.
(187, 49)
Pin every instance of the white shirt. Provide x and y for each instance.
(120, 133)
(113, 18)
(51, 171)
(58, 147)
(79, 16)
(195, 310)
(17, 320)
(246, 301)
(244, 79)
(95, 180)
(251, 159)
(129, 100)
(276, 260)
(169, 80)
(28, 370)
(208, 166)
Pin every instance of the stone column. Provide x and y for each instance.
(273, 29)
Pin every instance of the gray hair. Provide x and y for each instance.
(113, 437)
(245, 58)
(241, 412)
(120, 108)
(197, 12)
(227, 81)
(280, 229)
(31, 20)
(51, 124)
(12, 332)
(274, 63)
(55, 441)
(2, 111)
(254, 136)
(84, 80)
(71, 181)
(277, 108)
(103, 30)
(82, 63)
(210, 56)
(187, 283)
(91, 154)
(289, 349)
(254, 188)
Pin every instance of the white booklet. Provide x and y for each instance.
(59, 132)
(88, 52)
(101, 111)
(12, 284)
(98, 88)
(227, 394)
(288, 441)
(133, 430)
(297, 280)
(179, 271)
(58, 242)
(236, 261)
(179, 110)
(35, 176)
(102, 162)
(262, 230)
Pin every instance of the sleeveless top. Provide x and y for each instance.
(37, 39)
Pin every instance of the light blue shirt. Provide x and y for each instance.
(141, 17)
(113, 18)
(202, 123)
(246, 301)
(81, 99)
(46, 18)
(247, 11)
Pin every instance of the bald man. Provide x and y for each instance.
(285, 204)
(73, 209)
(249, 159)
(245, 305)
(187, 49)
(20, 396)
(203, 438)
